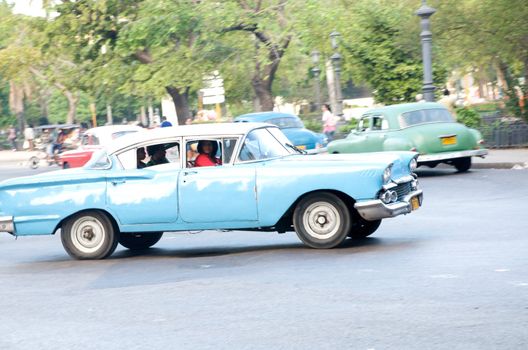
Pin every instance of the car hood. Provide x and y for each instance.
(427, 138)
(357, 161)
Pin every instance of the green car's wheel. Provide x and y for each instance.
(139, 240)
(462, 164)
(362, 228)
(322, 220)
(89, 235)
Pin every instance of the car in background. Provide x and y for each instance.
(93, 140)
(424, 127)
(261, 182)
(293, 127)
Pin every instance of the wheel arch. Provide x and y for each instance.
(102, 211)
(286, 221)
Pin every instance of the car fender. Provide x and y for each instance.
(352, 144)
(397, 144)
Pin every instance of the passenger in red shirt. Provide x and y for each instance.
(207, 156)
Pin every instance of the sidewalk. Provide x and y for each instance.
(18, 158)
(514, 158)
(496, 159)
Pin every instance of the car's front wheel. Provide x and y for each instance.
(322, 220)
(139, 240)
(89, 235)
(462, 164)
(362, 228)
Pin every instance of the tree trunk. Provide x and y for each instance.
(262, 89)
(16, 102)
(502, 70)
(109, 118)
(181, 102)
(72, 106)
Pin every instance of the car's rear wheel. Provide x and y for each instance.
(89, 235)
(65, 165)
(362, 228)
(322, 220)
(139, 240)
(462, 164)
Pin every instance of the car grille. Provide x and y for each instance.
(403, 189)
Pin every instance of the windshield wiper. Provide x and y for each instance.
(298, 150)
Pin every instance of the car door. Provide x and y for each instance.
(374, 131)
(144, 196)
(224, 193)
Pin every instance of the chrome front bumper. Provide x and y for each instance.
(375, 209)
(451, 155)
(7, 224)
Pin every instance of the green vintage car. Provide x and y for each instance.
(425, 127)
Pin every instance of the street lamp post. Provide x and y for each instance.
(316, 71)
(425, 12)
(336, 63)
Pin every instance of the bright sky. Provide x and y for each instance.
(28, 7)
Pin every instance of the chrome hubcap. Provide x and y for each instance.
(321, 220)
(88, 234)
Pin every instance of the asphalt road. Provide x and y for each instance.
(452, 275)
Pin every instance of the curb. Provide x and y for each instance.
(500, 165)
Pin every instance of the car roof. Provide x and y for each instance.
(105, 133)
(263, 116)
(199, 130)
(404, 107)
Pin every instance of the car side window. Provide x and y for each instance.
(167, 153)
(364, 124)
(377, 123)
(195, 148)
(228, 147)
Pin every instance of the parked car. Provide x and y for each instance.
(92, 140)
(293, 127)
(263, 183)
(426, 127)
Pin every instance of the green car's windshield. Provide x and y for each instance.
(423, 116)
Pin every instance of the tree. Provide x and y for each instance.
(268, 25)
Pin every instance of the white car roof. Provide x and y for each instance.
(195, 130)
(104, 133)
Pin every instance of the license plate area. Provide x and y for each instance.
(301, 147)
(449, 140)
(415, 203)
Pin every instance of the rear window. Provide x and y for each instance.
(284, 123)
(423, 116)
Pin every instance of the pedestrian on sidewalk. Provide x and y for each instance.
(11, 137)
(329, 122)
(29, 135)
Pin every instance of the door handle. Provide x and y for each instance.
(117, 181)
(189, 173)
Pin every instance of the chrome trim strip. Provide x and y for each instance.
(7, 224)
(450, 155)
(376, 209)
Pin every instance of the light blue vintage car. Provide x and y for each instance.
(263, 183)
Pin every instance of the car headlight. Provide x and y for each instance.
(387, 173)
(413, 165)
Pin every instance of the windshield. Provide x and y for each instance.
(423, 116)
(264, 144)
(99, 160)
